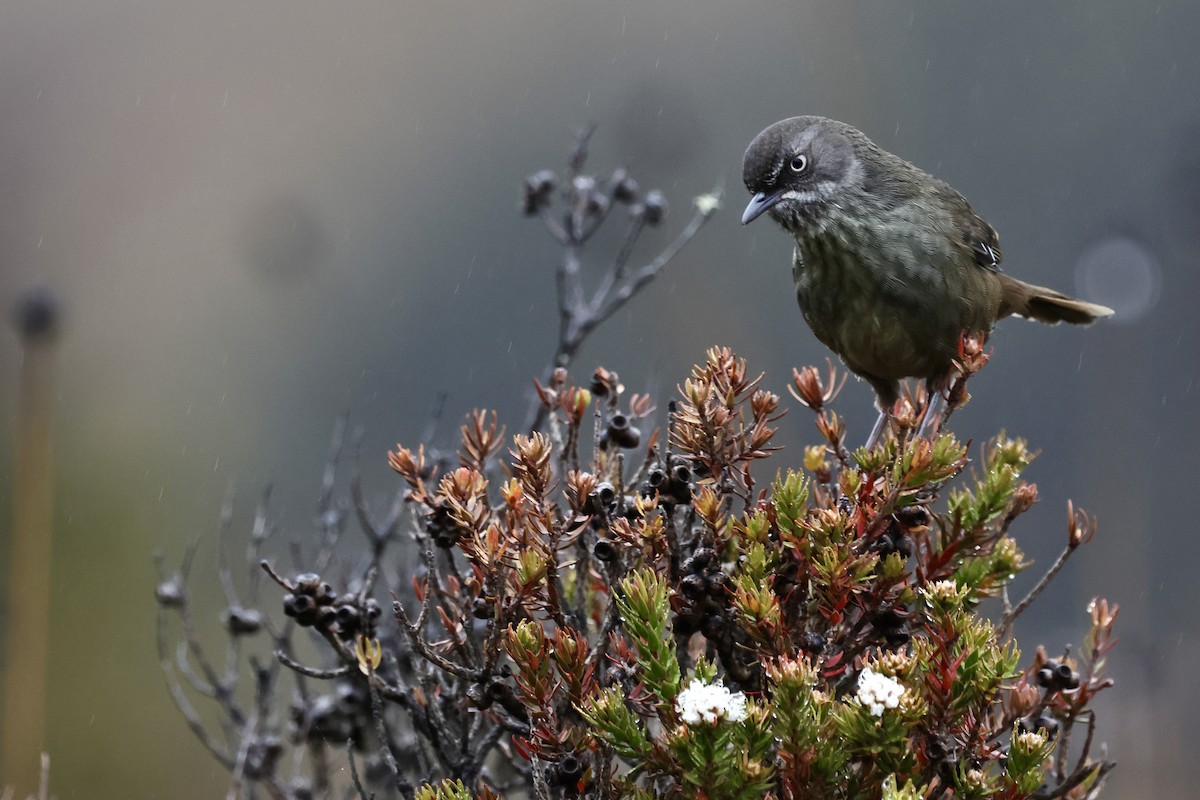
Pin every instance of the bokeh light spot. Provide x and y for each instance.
(1121, 273)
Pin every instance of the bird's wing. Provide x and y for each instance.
(974, 234)
(984, 243)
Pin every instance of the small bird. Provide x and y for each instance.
(892, 265)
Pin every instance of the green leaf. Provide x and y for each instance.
(615, 723)
(446, 790)
(645, 611)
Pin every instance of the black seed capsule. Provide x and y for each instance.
(295, 605)
(496, 688)
(712, 625)
(693, 586)
(717, 582)
(884, 546)
(604, 550)
(625, 188)
(242, 621)
(605, 493)
(478, 697)
(596, 203)
(170, 594)
(811, 642)
(536, 191)
(262, 756)
(1047, 724)
(701, 559)
(571, 767)
(654, 207)
(913, 517)
(622, 433)
(307, 582)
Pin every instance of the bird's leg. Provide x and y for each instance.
(886, 395)
(931, 420)
(877, 431)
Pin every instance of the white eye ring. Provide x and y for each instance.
(799, 162)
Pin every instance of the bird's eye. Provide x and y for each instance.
(799, 162)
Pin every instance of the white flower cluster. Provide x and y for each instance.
(945, 590)
(710, 702)
(878, 692)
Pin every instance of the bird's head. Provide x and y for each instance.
(798, 166)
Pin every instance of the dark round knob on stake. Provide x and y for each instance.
(37, 314)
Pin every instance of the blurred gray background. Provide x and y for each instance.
(261, 215)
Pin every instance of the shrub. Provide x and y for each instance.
(600, 608)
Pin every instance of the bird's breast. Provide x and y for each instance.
(888, 295)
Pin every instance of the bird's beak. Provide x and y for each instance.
(760, 203)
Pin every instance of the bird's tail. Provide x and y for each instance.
(1046, 305)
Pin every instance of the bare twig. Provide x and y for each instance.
(354, 779)
(589, 204)
(403, 785)
(312, 672)
(181, 701)
(1011, 616)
